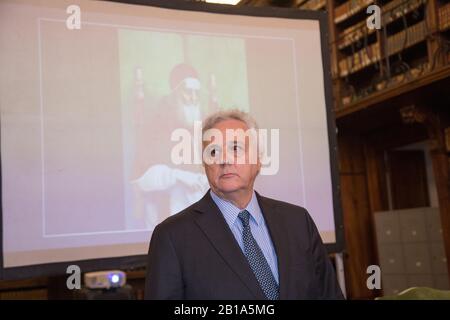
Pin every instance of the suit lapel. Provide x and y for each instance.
(280, 241)
(213, 224)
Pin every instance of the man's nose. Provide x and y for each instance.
(226, 158)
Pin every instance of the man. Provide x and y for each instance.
(160, 188)
(234, 243)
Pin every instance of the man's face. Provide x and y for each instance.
(188, 92)
(228, 173)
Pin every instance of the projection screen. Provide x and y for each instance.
(88, 112)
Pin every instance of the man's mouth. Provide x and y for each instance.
(228, 175)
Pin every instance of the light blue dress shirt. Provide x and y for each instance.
(257, 226)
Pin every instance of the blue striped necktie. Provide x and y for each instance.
(257, 261)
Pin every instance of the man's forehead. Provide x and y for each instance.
(230, 124)
(227, 139)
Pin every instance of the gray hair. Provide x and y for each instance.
(233, 114)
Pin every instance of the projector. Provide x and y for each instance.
(105, 279)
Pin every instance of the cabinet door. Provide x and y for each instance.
(387, 227)
(438, 258)
(433, 224)
(417, 258)
(420, 280)
(441, 282)
(393, 284)
(412, 225)
(391, 258)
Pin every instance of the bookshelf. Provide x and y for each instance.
(349, 9)
(381, 56)
(444, 17)
(312, 4)
(413, 41)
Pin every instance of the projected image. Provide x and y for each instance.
(169, 81)
(87, 118)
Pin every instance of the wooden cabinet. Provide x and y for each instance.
(415, 258)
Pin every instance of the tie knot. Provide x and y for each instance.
(245, 217)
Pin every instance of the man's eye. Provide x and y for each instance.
(237, 148)
(215, 151)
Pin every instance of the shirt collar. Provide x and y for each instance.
(231, 212)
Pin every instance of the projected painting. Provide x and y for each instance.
(169, 81)
(87, 118)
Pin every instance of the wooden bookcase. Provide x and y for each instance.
(413, 42)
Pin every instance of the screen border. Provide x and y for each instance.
(139, 261)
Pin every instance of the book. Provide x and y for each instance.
(354, 33)
(398, 8)
(359, 59)
(349, 8)
(313, 5)
(406, 38)
(444, 17)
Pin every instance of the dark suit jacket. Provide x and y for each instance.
(194, 255)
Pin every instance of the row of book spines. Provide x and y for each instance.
(349, 8)
(444, 17)
(346, 40)
(395, 43)
(313, 5)
(406, 38)
(411, 74)
(359, 60)
(393, 11)
(398, 7)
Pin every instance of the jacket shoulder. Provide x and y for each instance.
(286, 206)
(178, 221)
(291, 213)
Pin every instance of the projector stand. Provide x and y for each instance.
(124, 293)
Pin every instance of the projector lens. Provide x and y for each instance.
(115, 278)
